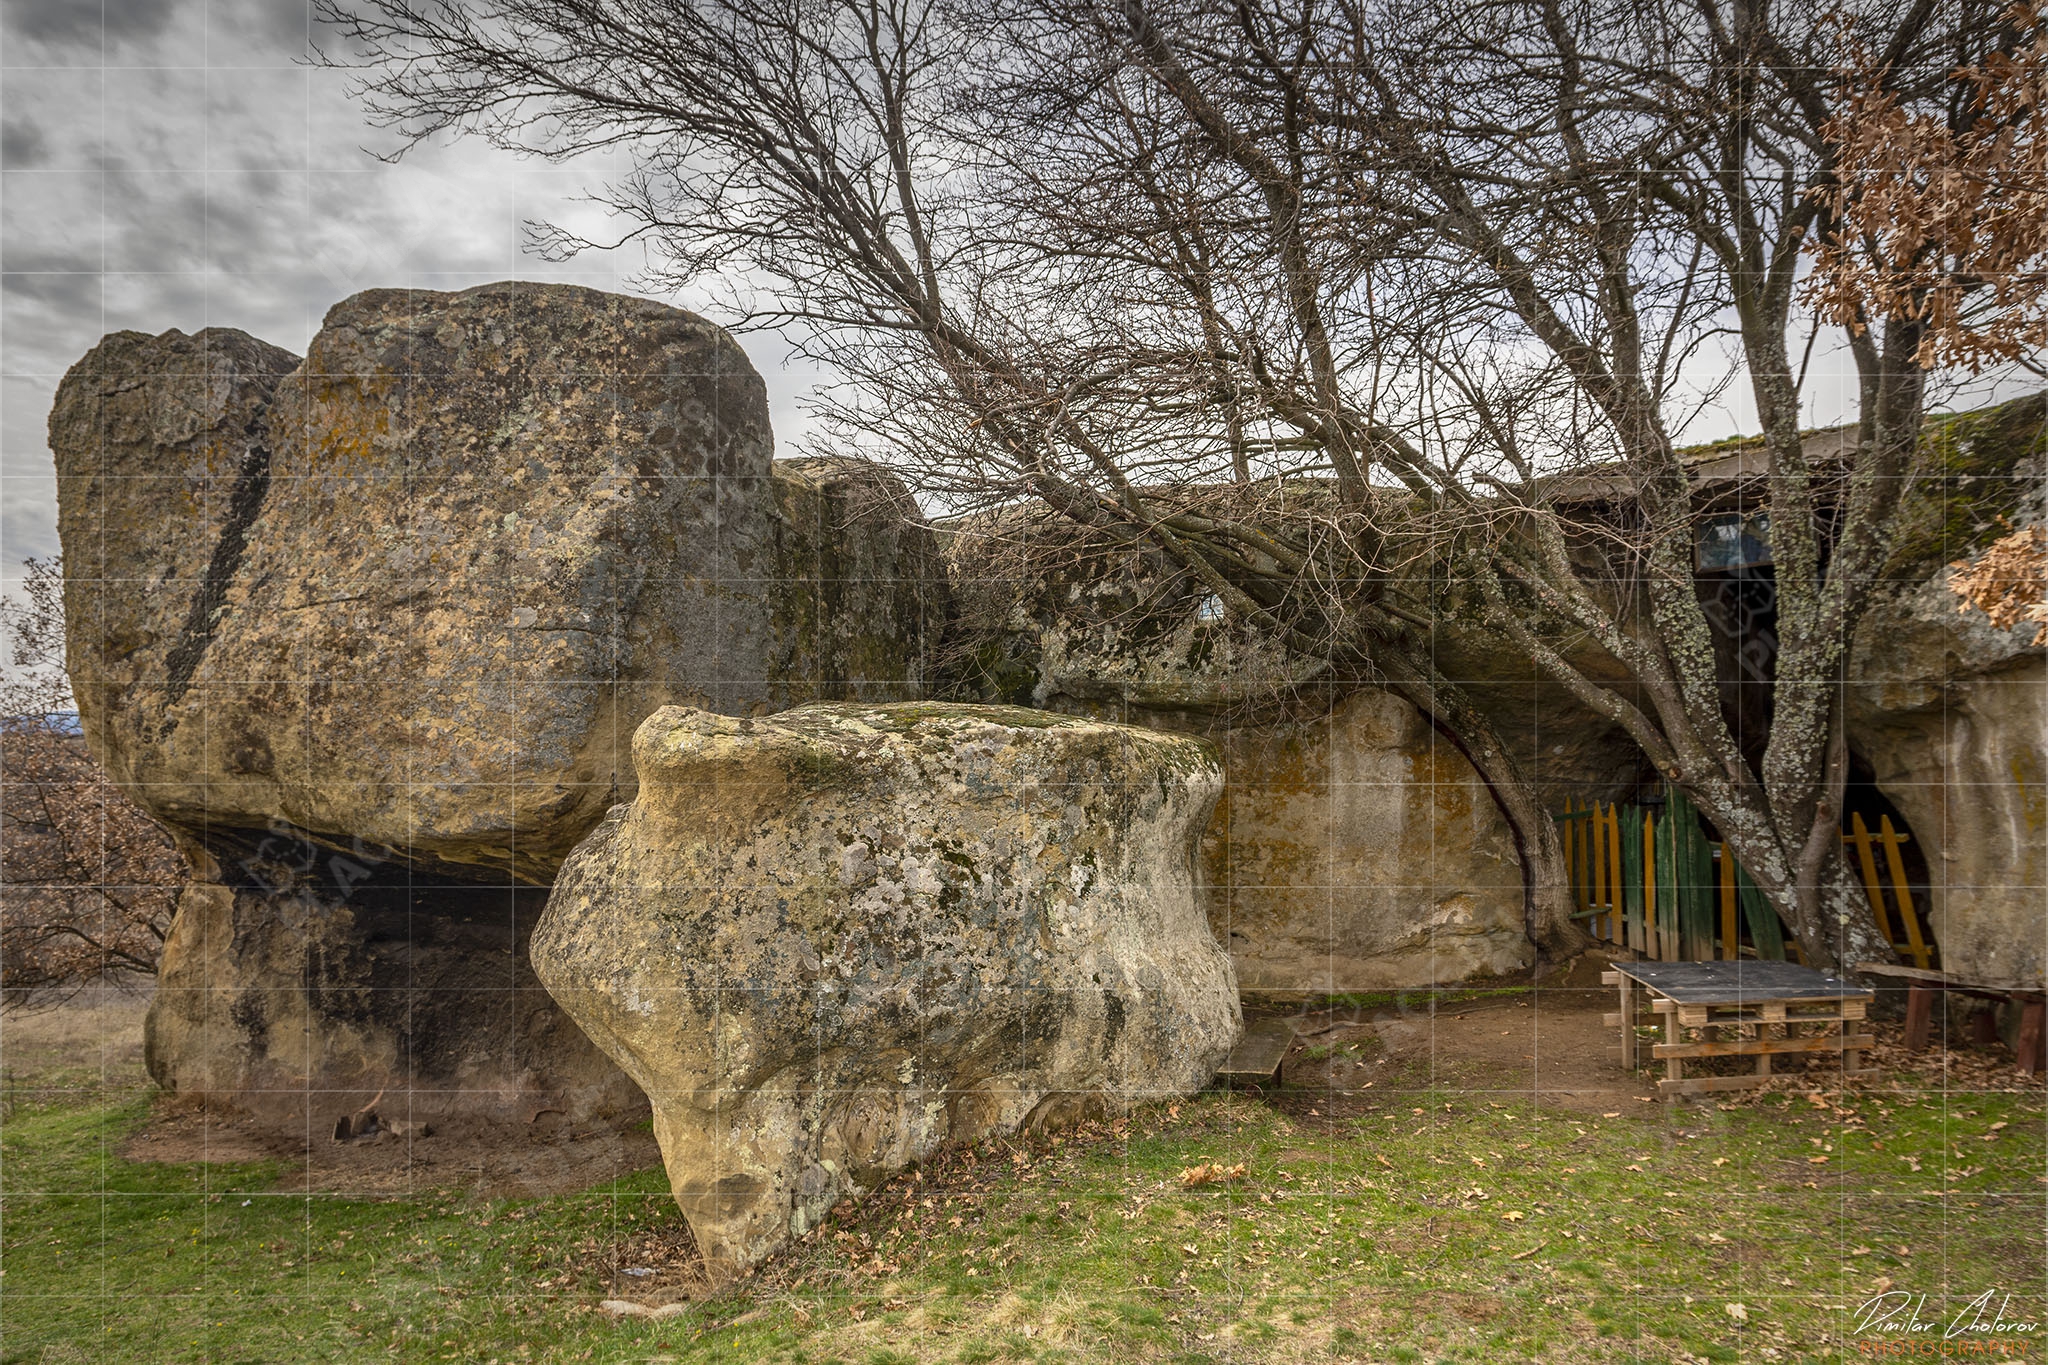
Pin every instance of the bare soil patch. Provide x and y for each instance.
(1547, 1040)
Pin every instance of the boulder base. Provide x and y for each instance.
(828, 941)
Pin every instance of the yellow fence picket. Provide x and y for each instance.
(1916, 943)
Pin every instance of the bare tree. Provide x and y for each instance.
(1354, 315)
(88, 882)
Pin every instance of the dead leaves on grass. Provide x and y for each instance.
(1211, 1173)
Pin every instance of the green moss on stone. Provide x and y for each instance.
(1973, 473)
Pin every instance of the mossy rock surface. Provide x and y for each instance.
(1975, 477)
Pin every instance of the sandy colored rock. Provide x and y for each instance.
(1356, 852)
(1354, 848)
(826, 941)
(371, 633)
(1952, 716)
(468, 544)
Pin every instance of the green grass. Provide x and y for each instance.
(1442, 1227)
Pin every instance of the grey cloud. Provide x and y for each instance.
(75, 23)
(22, 144)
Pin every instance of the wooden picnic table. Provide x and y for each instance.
(1747, 1000)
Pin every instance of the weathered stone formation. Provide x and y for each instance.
(859, 593)
(1359, 851)
(826, 941)
(373, 630)
(1354, 847)
(1951, 714)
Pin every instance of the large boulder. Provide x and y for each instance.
(371, 633)
(468, 543)
(826, 941)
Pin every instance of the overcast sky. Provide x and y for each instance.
(171, 164)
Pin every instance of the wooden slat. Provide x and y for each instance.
(1256, 1058)
(1701, 1084)
(1896, 865)
(1617, 926)
(1731, 935)
(1748, 1047)
(1629, 1042)
(1632, 874)
(1704, 1016)
(1860, 837)
(1670, 873)
(1599, 851)
(1764, 929)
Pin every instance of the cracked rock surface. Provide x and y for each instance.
(827, 941)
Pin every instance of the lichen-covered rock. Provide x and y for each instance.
(1952, 716)
(316, 982)
(1354, 847)
(1358, 851)
(162, 459)
(859, 597)
(465, 546)
(826, 941)
(371, 632)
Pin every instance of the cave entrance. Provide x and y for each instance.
(1891, 864)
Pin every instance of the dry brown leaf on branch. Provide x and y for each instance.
(2008, 582)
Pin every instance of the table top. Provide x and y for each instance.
(1735, 983)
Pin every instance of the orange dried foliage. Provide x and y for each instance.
(1942, 213)
(2008, 582)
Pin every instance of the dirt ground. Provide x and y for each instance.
(1547, 1043)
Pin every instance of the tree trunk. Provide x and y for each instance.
(1827, 912)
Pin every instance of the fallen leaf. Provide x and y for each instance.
(1210, 1173)
(1512, 1216)
(1615, 1115)
(1720, 1161)
(1738, 1311)
(1816, 1161)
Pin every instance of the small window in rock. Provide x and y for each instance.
(1209, 609)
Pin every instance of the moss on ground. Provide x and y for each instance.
(1440, 1226)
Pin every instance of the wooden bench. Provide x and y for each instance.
(1924, 985)
(1747, 1000)
(1255, 1061)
